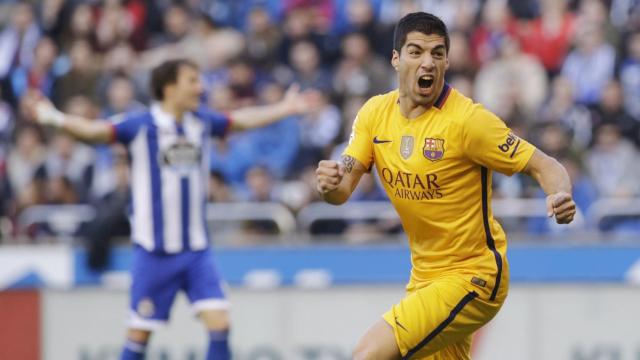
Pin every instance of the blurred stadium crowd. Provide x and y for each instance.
(563, 74)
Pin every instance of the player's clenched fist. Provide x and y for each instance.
(561, 205)
(329, 174)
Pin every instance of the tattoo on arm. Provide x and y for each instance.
(348, 162)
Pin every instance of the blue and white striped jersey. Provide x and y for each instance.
(169, 176)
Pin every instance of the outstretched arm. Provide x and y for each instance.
(555, 182)
(337, 180)
(293, 103)
(81, 128)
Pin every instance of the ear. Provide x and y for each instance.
(446, 65)
(168, 90)
(395, 59)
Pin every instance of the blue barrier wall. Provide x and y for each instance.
(391, 263)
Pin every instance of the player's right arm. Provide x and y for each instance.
(83, 129)
(336, 180)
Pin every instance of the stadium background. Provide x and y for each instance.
(307, 279)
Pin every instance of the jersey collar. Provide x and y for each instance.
(442, 98)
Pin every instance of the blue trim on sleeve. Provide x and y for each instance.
(217, 123)
(127, 128)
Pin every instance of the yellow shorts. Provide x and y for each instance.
(436, 321)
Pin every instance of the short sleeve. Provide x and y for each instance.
(125, 127)
(218, 124)
(489, 142)
(360, 141)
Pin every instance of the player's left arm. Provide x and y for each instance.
(489, 142)
(555, 181)
(294, 102)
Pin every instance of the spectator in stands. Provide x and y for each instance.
(120, 96)
(18, 40)
(81, 79)
(359, 17)
(486, 38)
(111, 216)
(260, 187)
(548, 37)
(269, 149)
(595, 12)
(26, 158)
(177, 23)
(584, 194)
(220, 97)
(462, 83)
(512, 79)
(219, 49)
(219, 189)
(242, 80)
(123, 61)
(297, 28)
(80, 27)
(613, 163)
(374, 229)
(72, 160)
(590, 66)
(117, 20)
(6, 123)
(60, 191)
(318, 131)
(625, 14)
(360, 72)
(52, 15)
(40, 75)
(465, 15)
(286, 41)
(630, 75)
(263, 39)
(611, 110)
(560, 108)
(460, 60)
(307, 66)
(262, 146)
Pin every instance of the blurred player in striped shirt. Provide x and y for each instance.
(168, 144)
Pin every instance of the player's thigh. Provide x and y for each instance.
(155, 283)
(203, 284)
(378, 343)
(441, 315)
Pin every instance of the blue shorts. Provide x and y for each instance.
(157, 278)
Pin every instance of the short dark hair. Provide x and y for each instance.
(167, 73)
(423, 22)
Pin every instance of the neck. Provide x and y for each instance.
(172, 109)
(410, 109)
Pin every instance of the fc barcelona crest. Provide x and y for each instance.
(406, 146)
(433, 149)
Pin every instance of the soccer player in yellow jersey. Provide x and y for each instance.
(435, 151)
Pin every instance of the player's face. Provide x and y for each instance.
(421, 65)
(188, 88)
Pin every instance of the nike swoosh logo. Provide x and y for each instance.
(376, 141)
(400, 325)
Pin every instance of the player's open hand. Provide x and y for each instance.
(301, 102)
(43, 112)
(329, 175)
(562, 206)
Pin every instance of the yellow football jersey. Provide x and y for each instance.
(437, 169)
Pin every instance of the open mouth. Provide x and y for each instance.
(425, 82)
